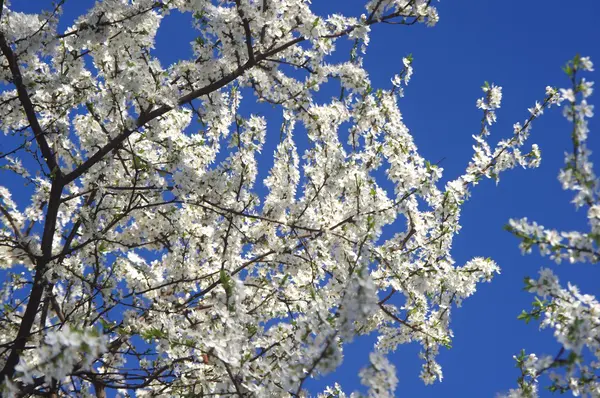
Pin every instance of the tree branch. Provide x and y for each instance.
(28, 107)
(147, 117)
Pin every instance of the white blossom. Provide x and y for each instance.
(145, 259)
(574, 317)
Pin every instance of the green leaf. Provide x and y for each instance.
(252, 329)
(524, 316)
(153, 333)
(103, 247)
(370, 222)
(139, 163)
(226, 282)
(53, 173)
(105, 325)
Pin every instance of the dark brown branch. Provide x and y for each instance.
(37, 291)
(247, 31)
(28, 107)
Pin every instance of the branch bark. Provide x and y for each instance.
(37, 290)
(28, 107)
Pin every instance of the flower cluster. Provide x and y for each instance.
(146, 219)
(574, 317)
(61, 352)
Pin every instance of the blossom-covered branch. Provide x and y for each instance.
(574, 317)
(144, 258)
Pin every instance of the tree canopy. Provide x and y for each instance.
(143, 262)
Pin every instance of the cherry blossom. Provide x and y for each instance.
(573, 316)
(144, 260)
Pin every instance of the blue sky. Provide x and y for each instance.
(520, 45)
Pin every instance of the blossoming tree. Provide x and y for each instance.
(141, 258)
(575, 317)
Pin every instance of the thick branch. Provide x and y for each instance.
(37, 291)
(28, 107)
(247, 31)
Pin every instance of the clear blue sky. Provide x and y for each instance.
(520, 45)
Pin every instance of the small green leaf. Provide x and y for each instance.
(524, 316)
(153, 333)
